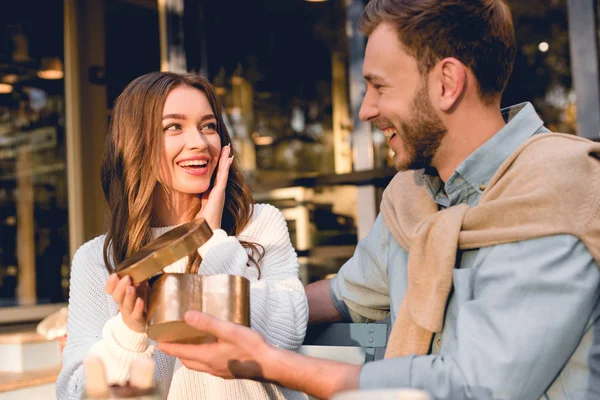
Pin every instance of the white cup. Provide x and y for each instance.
(383, 394)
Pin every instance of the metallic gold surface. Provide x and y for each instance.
(226, 297)
(165, 250)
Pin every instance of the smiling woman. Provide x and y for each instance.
(192, 143)
(169, 160)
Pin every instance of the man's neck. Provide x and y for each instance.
(467, 131)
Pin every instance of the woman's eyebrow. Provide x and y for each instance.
(174, 116)
(183, 117)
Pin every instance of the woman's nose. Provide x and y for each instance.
(196, 140)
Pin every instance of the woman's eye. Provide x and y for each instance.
(211, 127)
(172, 127)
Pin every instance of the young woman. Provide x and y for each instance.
(169, 159)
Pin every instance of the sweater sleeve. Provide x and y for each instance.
(119, 347)
(95, 327)
(278, 304)
(89, 310)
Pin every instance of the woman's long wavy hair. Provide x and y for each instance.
(131, 168)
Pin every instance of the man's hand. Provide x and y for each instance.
(239, 352)
(235, 355)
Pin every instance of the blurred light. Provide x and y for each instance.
(544, 47)
(220, 90)
(52, 68)
(378, 137)
(10, 78)
(261, 140)
(5, 88)
(237, 80)
(298, 122)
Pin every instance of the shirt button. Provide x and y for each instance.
(482, 187)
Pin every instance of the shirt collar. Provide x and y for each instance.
(478, 168)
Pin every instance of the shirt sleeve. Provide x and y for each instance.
(278, 304)
(528, 310)
(360, 289)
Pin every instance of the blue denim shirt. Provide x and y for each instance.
(522, 318)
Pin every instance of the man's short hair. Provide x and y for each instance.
(479, 33)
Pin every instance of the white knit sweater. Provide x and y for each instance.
(279, 311)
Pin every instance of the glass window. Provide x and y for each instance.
(542, 71)
(131, 50)
(34, 253)
(272, 63)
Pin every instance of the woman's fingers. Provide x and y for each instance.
(138, 310)
(113, 279)
(119, 293)
(127, 297)
(128, 300)
(143, 291)
(224, 164)
(213, 199)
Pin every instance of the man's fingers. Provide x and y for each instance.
(196, 366)
(181, 351)
(201, 353)
(222, 330)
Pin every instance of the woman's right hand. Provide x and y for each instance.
(130, 304)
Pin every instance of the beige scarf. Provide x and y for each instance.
(549, 185)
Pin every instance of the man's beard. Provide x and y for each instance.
(421, 135)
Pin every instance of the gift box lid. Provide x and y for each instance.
(165, 250)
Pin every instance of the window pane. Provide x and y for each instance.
(34, 254)
(272, 63)
(542, 72)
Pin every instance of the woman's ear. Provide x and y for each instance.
(453, 82)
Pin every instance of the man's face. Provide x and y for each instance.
(397, 101)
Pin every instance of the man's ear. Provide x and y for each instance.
(453, 82)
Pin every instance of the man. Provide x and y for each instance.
(492, 288)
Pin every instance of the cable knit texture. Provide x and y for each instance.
(279, 312)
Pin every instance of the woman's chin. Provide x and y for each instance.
(196, 190)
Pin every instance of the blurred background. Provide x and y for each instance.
(289, 74)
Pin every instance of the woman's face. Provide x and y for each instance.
(192, 143)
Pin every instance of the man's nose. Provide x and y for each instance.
(368, 109)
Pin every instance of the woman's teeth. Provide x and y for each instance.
(193, 163)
